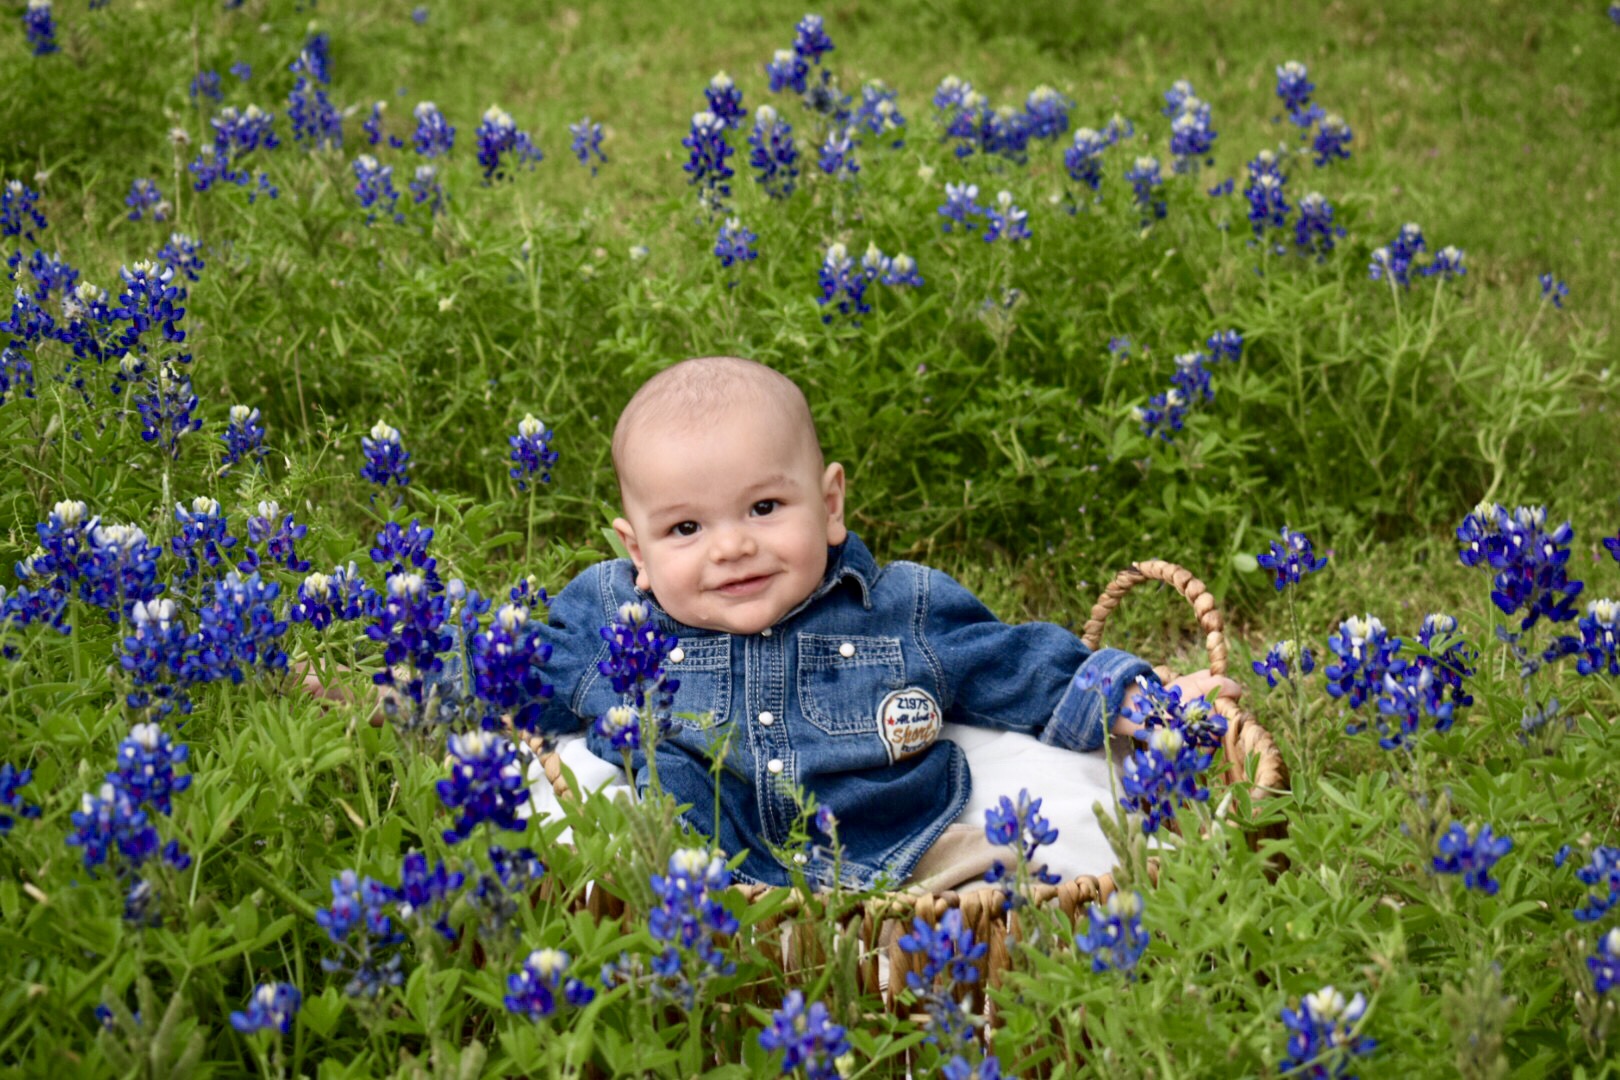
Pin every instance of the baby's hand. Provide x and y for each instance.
(1197, 684)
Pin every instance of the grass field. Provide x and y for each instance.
(987, 420)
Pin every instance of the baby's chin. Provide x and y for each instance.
(744, 620)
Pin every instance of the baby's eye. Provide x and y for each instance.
(684, 528)
(765, 506)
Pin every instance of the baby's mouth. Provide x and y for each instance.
(744, 586)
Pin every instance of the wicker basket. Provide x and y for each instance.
(882, 919)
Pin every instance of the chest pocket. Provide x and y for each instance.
(703, 666)
(843, 679)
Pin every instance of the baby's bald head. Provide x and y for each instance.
(695, 393)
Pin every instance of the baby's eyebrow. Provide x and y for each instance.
(773, 480)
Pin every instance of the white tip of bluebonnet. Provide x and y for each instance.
(1124, 904)
(381, 432)
(1167, 741)
(548, 963)
(721, 81)
(512, 616)
(639, 252)
(530, 427)
(498, 116)
(366, 162)
(423, 108)
(1293, 68)
(318, 586)
(837, 253)
(689, 862)
(405, 585)
(146, 736)
(1604, 611)
(69, 511)
(204, 504)
(270, 510)
(632, 613)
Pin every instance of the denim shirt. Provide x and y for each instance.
(844, 698)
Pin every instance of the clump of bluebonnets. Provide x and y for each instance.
(1285, 660)
(725, 99)
(144, 196)
(1364, 653)
(374, 187)
(686, 918)
(1602, 873)
(271, 1008)
(534, 988)
(386, 459)
(1551, 289)
(507, 662)
(1162, 775)
(950, 958)
(12, 781)
(486, 784)
(1145, 179)
(1291, 558)
(773, 155)
(434, 135)
(1395, 259)
(358, 923)
(502, 147)
(1021, 828)
(807, 1038)
(734, 244)
(707, 165)
(1323, 1034)
(1531, 561)
(531, 452)
(586, 143)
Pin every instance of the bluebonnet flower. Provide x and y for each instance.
(387, 461)
(147, 300)
(1406, 700)
(774, 155)
(531, 450)
(1158, 706)
(1598, 646)
(398, 550)
(310, 112)
(1225, 345)
(1321, 1034)
(1333, 134)
(243, 437)
(1084, 158)
(1614, 17)
(374, 187)
(486, 784)
(949, 951)
(1175, 98)
(1449, 657)
(587, 140)
(40, 27)
(506, 661)
(183, 255)
(707, 165)
(1162, 775)
(1395, 258)
(1115, 939)
(1295, 88)
(157, 656)
(734, 243)
(242, 70)
(1221, 189)
(621, 727)
(19, 211)
(1120, 346)
(110, 820)
(878, 114)
(961, 206)
(1291, 558)
(1604, 963)
(272, 1006)
(951, 93)
(342, 594)
(1314, 232)
(1602, 873)
(1118, 129)
(1145, 179)
(1531, 562)
(206, 84)
(902, 272)
(1007, 222)
(1552, 290)
(279, 534)
(372, 126)
(1192, 378)
(495, 896)
(425, 893)
(1163, 415)
(434, 135)
(362, 905)
(1472, 853)
(316, 58)
(51, 274)
(12, 780)
(787, 70)
(810, 39)
(498, 137)
(419, 15)
(1046, 113)
(1191, 136)
(838, 154)
(1365, 654)
(725, 100)
(637, 651)
(239, 626)
(687, 918)
(146, 761)
(121, 569)
(807, 1038)
(1021, 827)
(1283, 659)
(532, 991)
(425, 188)
(842, 283)
(1268, 202)
(411, 627)
(167, 409)
(1448, 262)
(16, 374)
(143, 196)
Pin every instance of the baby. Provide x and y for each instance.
(821, 670)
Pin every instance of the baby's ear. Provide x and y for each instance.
(627, 537)
(832, 492)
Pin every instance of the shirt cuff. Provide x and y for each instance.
(1088, 707)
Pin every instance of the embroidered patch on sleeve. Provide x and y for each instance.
(909, 720)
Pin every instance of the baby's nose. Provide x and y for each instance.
(733, 544)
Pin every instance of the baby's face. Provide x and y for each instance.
(729, 525)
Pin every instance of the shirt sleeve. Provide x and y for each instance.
(1037, 678)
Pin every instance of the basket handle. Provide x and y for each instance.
(1179, 578)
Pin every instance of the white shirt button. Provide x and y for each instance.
(765, 632)
(677, 654)
(774, 765)
(767, 719)
(846, 650)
